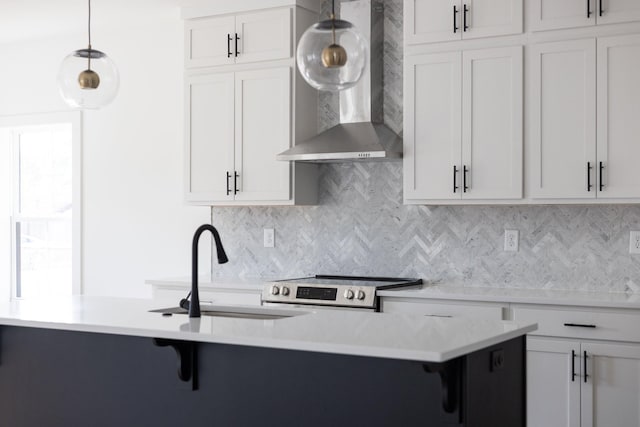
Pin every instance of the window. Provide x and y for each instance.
(40, 185)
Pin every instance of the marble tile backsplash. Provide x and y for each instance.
(360, 225)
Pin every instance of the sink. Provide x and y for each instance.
(256, 313)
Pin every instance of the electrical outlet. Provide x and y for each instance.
(634, 242)
(497, 360)
(269, 238)
(511, 240)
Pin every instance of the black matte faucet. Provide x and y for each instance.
(194, 305)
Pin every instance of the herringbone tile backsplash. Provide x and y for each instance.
(361, 226)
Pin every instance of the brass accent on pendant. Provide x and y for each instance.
(334, 56)
(88, 79)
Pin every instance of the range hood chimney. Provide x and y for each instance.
(361, 134)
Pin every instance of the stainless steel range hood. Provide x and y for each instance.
(361, 134)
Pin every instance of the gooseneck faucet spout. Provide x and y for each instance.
(194, 305)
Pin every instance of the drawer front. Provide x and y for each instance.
(581, 323)
(444, 309)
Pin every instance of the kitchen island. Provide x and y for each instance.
(109, 361)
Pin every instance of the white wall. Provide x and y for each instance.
(135, 223)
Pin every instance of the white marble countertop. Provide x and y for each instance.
(214, 284)
(405, 337)
(521, 296)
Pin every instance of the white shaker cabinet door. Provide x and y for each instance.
(618, 123)
(263, 129)
(209, 124)
(614, 11)
(611, 395)
(486, 18)
(264, 35)
(427, 21)
(209, 41)
(562, 120)
(553, 391)
(432, 128)
(555, 14)
(492, 123)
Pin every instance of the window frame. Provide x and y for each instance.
(74, 118)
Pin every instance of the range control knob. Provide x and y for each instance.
(285, 291)
(360, 295)
(275, 290)
(348, 294)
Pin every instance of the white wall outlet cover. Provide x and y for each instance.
(269, 238)
(511, 238)
(634, 242)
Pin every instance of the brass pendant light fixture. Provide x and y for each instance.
(88, 78)
(332, 54)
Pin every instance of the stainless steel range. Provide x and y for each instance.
(333, 291)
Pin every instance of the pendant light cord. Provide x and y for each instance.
(333, 20)
(89, 32)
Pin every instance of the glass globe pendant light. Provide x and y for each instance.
(332, 54)
(88, 78)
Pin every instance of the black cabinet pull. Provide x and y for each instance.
(589, 185)
(573, 365)
(228, 45)
(455, 179)
(464, 178)
(228, 177)
(601, 176)
(585, 366)
(600, 8)
(579, 325)
(588, 9)
(235, 182)
(465, 27)
(455, 20)
(237, 38)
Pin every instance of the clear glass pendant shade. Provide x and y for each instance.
(332, 55)
(88, 79)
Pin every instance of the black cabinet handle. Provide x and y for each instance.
(589, 185)
(237, 38)
(601, 176)
(455, 178)
(455, 19)
(573, 365)
(465, 27)
(235, 182)
(579, 325)
(464, 178)
(585, 366)
(228, 45)
(228, 177)
(600, 8)
(588, 9)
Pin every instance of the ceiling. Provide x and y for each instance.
(22, 20)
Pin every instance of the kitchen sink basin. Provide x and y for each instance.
(257, 313)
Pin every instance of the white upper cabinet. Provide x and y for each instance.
(492, 123)
(618, 94)
(432, 126)
(556, 14)
(463, 125)
(209, 156)
(428, 21)
(263, 129)
(562, 155)
(248, 37)
(583, 128)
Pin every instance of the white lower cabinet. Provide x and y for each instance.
(575, 383)
(583, 366)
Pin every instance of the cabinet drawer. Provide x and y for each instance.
(581, 323)
(444, 309)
